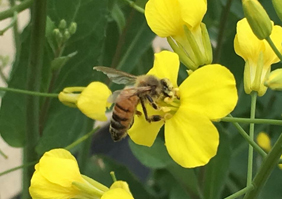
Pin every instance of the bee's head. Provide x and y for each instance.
(167, 87)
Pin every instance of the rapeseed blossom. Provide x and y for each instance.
(90, 100)
(180, 21)
(264, 142)
(207, 95)
(257, 54)
(57, 176)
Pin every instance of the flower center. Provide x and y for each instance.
(169, 105)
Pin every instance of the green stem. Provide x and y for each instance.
(14, 20)
(34, 93)
(17, 168)
(255, 121)
(16, 36)
(17, 8)
(83, 138)
(269, 163)
(251, 149)
(136, 7)
(270, 42)
(3, 154)
(250, 141)
(221, 30)
(34, 68)
(241, 192)
(113, 176)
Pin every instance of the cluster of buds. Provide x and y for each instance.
(62, 33)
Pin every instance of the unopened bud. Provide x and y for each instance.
(58, 35)
(277, 4)
(274, 80)
(257, 18)
(66, 35)
(62, 24)
(72, 28)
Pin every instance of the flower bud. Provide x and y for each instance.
(257, 18)
(274, 80)
(72, 28)
(263, 141)
(62, 24)
(66, 35)
(70, 95)
(58, 35)
(277, 4)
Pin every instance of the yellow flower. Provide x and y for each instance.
(90, 100)
(207, 95)
(180, 22)
(257, 54)
(264, 142)
(57, 176)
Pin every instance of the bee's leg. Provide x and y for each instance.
(152, 118)
(138, 113)
(152, 102)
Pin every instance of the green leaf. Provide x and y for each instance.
(13, 106)
(59, 62)
(129, 47)
(217, 170)
(50, 26)
(167, 185)
(186, 178)
(155, 156)
(177, 192)
(118, 16)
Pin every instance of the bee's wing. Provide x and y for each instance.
(127, 92)
(113, 97)
(118, 77)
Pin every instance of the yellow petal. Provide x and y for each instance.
(41, 188)
(210, 90)
(246, 44)
(117, 193)
(264, 141)
(167, 17)
(269, 56)
(164, 17)
(93, 101)
(60, 167)
(120, 184)
(166, 65)
(142, 132)
(54, 174)
(192, 11)
(118, 190)
(191, 138)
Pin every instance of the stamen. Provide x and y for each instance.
(167, 116)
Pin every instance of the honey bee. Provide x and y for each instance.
(146, 88)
